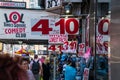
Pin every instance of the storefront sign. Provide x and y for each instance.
(52, 3)
(12, 4)
(102, 36)
(30, 24)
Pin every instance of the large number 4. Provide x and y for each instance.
(45, 26)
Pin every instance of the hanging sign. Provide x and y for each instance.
(81, 49)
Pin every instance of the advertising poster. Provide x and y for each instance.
(103, 37)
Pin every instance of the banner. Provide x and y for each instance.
(31, 24)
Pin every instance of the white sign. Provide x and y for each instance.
(86, 74)
(69, 47)
(13, 4)
(58, 38)
(103, 37)
(31, 24)
(81, 49)
(52, 3)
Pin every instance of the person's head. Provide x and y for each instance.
(35, 56)
(71, 62)
(10, 68)
(24, 63)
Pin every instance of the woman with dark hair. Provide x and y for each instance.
(10, 68)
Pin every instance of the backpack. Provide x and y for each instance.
(35, 67)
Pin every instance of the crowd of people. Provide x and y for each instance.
(21, 68)
(69, 67)
(72, 67)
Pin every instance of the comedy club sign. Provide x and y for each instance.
(14, 24)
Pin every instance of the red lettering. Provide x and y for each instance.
(101, 26)
(14, 30)
(106, 45)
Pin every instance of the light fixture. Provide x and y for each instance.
(20, 42)
(68, 8)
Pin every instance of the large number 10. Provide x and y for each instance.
(65, 26)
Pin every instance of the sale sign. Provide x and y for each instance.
(57, 39)
(69, 47)
(33, 24)
(103, 37)
(55, 26)
(66, 47)
(86, 74)
(81, 49)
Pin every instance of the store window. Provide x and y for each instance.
(103, 9)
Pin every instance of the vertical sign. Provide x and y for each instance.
(81, 49)
(102, 36)
(86, 74)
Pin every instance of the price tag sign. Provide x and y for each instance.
(81, 49)
(86, 74)
(57, 38)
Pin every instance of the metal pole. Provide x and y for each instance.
(54, 70)
(95, 24)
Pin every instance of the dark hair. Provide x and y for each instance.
(35, 56)
(71, 62)
(10, 68)
(24, 59)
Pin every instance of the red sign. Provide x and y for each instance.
(66, 26)
(70, 47)
(81, 49)
(101, 27)
(56, 39)
(102, 36)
